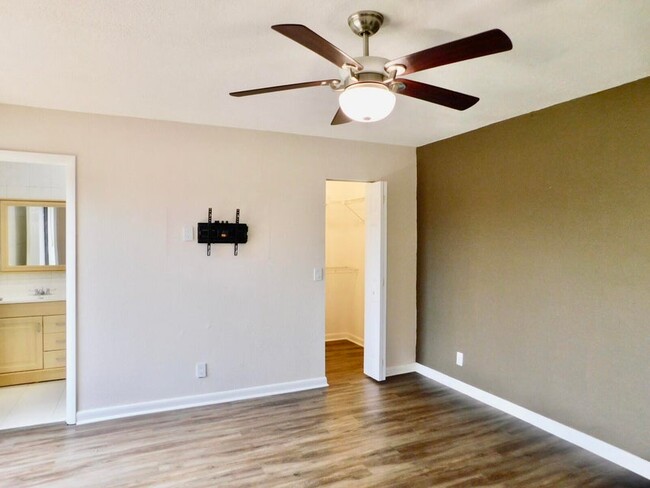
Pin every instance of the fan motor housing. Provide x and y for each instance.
(373, 70)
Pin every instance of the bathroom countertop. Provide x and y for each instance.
(32, 299)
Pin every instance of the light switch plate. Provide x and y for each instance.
(459, 358)
(318, 274)
(201, 370)
(188, 233)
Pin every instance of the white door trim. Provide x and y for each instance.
(69, 161)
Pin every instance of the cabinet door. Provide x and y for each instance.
(21, 344)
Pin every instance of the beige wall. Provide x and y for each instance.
(534, 260)
(150, 305)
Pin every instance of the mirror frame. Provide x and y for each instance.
(4, 235)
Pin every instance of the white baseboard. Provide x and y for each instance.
(336, 336)
(401, 369)
(130, 410)
(344, 336)
(600, 448)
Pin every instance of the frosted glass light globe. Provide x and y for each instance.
(367, 101)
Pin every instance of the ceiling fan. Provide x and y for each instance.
(367, 84)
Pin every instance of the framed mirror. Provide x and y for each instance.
(32, 235)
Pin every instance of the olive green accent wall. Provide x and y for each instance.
(534, 261)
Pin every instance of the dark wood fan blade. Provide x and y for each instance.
(293, 86)
(340, 118)
(490, 42)
(312, 41)
(435, 94)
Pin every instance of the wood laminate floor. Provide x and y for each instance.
(406, 432)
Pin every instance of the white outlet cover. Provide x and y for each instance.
(201, 370)
(318, 274)
(459, 358)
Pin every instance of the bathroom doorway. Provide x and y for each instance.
(354, 278)
(37, 289)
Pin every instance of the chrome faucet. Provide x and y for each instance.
(42, 291)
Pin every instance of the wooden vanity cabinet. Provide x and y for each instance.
(32, 342)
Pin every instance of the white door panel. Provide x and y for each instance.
(374, 352)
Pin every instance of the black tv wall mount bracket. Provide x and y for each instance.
(222, 232)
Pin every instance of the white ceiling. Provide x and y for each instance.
(179, 59)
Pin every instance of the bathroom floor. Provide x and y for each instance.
(36, 403)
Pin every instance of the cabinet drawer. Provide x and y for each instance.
(53, 323)
(53, 342)
(54, 359)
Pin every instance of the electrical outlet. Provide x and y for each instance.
(459, 358)
(201, 370)
(318, 274)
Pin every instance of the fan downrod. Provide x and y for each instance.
(365, 23)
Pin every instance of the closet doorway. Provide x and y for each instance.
(355, 267)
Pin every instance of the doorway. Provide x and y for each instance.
(355, 263)
(37, 289)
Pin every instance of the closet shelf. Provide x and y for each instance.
(340, 270)
(348, 205)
